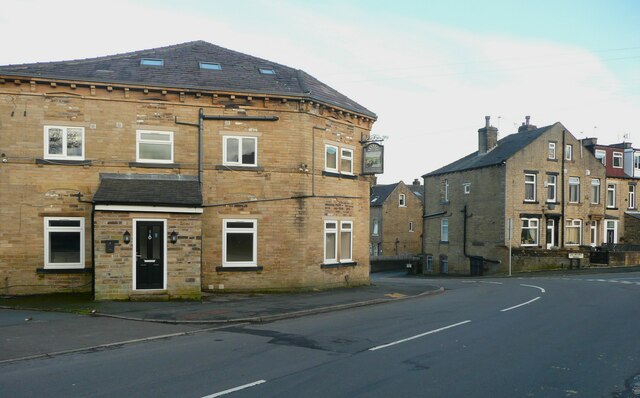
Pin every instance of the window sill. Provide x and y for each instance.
(444, 242)
(552, 160)
(64, 270)
(611, 208)
(338, 175)
(64, 162)
(339, 265)
(531, 202)
(239, 168)
(239, 269)
(155, 165)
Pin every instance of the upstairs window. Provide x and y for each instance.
(346, 161)
(338, 160)
(574, 189)
(601, 156)
(402, 200)
(64, 142)
(210, 66)
(529, 187)
(152, 62)
(551, 154)
(154, 146)
(595, 191)
(611, 196)
(411, 226)
(445, 186)
(632, 197)
(617, 160)
(568, 152)
(636, 162)
(240, 151)
(331, 158)
(551, 187)
(374, 227)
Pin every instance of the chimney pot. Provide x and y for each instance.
(486, 121)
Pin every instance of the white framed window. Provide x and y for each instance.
(466, 188)
(444, 230)
(611, 196)
(346, 161)
(446, 190)
(573, 232)
(530, 232)
(374, 227)
(331, 158)
(574, 189)
(617, 160)
(240, 151)
(402, 200)
(595, 191)
(601, 155)
(62, 142)
(64, 242)
(568, 152)
(429, 263)
(529, 187)
(338, 250)
(154, 146)
(551, 154)
(593, 235)
(632, 197)
(239, 242)
(551, 187)
(411, 226)
(346, 241)
(611, 231)
(636, 163)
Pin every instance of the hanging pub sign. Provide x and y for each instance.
(373, 158)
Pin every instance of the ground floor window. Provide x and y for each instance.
(64, 242)
(529, 234)
(338, 241)
(429, 263)
(239, 243)
(573, 232)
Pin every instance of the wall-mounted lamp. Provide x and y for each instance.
(173, 237)
(126, 237)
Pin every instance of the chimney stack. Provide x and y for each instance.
(526, 126)
(487, 137)
(416, 182)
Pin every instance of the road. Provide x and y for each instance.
(573, 336)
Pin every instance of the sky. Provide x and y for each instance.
(430, 70)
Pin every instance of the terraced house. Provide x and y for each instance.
(169, 171)
(534, 199)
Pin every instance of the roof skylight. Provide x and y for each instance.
(267, 71)
(210, 66)
(152, 62)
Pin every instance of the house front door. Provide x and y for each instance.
(551, 233)
(150, 240)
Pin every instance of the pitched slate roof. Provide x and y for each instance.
(380, 193)
(181, 70)
(148, 189)
(417, 190)
(506, 148)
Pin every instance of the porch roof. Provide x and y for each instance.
(148, 189)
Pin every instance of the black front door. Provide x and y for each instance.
(150, 242)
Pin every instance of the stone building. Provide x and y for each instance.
(169, 171)
(622, 163)
(396, 219)
(539, 183)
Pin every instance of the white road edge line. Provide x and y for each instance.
(537, 287)
(418, 336)
(520, 305)
(229, 391)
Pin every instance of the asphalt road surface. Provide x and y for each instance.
(575, 336)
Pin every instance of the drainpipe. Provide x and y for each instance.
(200, 144)
(562, 178)
(93, 252)
(464, 239)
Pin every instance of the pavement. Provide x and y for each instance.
(50, 325)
